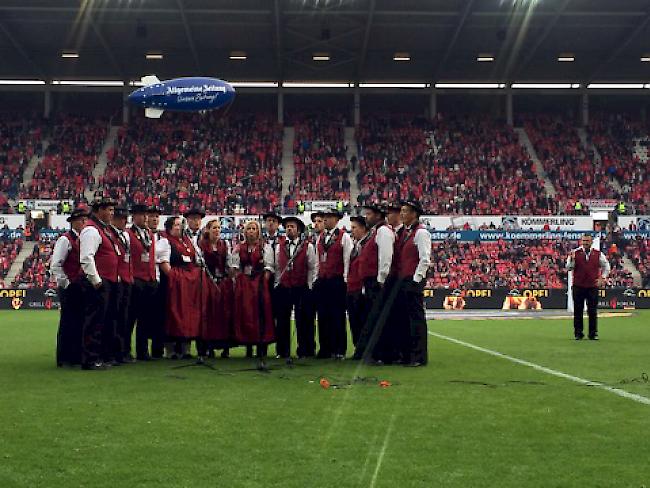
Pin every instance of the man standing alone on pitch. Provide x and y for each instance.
(590, 268)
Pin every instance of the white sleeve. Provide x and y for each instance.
(312, 265)
(571, 263)
(385, 242)
(163, 251)
(59, 255)
(269, 258)
(234, 258)
(348, 245)
(422, 240)
(605, 267)
(89, 242)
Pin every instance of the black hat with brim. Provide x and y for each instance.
(103, 203)
(391, 207)
(316, 214)
(272, 215)
(376, 207)
(333, 211)
(78, 214)
(415, 206)
(359, 220)
(301, 224)
(121, 212)
(139, 209)
(194, 211)
(154, 210)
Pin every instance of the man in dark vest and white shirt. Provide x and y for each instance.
(334, 249)
(143, 303)
(414, 252)
(590, 268)
(66, 269)
(294, 267)
(99, 256)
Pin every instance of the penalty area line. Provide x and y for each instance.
(544, 369)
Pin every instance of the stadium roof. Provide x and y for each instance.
(442, 39)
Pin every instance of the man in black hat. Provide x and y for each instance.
(414, 256)
(309, 301)
(157, 313)
(119, 352)
(375, 264)
(66, 269)
(334, 249)
(99, 256)
(143, 262)
(194, 216)
(356, 301)
(294, 268)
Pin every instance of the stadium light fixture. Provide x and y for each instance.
(321, 57)
(545, 85)
(301, 84)
(485, 58)
(566, 58)
(70, 55)
(153, 56)
(254, 84)
(22, 82)
(88, 82)
(470, 85)
(616, 86)
(393, 85)
(238, 55)
(402, 56)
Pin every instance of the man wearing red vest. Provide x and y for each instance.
(414, 251)
(356, 302)
(334, 249)
(120, 349)
(143, 262)
(375, 264)
(590, 268)
(294, 266)
(99, 256)
(66, 269)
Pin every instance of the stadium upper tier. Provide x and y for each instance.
(471, 165)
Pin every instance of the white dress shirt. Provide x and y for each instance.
(422, 240)
(605, 267)
(385, 239)
(59, 254)
(89, 242)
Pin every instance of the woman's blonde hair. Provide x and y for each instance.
(257, 226)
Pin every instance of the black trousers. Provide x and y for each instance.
(142, 313)
(122, 314)
(286, 300)
(156, 325)
(308, 306)
(357, 315)
(112, 333)
(69, 336)
(410, 301)
(580, 295)
(330, 303)
(96, 319)
(383, 334)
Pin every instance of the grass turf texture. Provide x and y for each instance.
(468, 419)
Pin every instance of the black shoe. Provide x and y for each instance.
(261, 366)
(225, 354)
(375, 362)
(145, 357)
(323, 356)
(414, 364)
(593, 338)
(210, 353)
(187, 356)
(97, 365)
(579, 338)
(174, 357)
(128, 359)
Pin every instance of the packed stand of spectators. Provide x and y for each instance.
(319, 157)
(9, 249)
(68, 162)
(613, 137)
(638, 250)
(20, 140)
(470, 165)
(181, 161)
(574, 172)
(36, 268)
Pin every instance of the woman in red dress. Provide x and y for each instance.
(178, 262)
(218, 292)
(253, 317)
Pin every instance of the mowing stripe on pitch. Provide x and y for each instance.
(544, 369)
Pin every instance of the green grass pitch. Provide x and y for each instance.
(469, 419)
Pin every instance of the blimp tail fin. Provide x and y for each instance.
(149, 80)
(153, 113)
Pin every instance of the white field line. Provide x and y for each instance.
(544, 369)
(380, 458)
